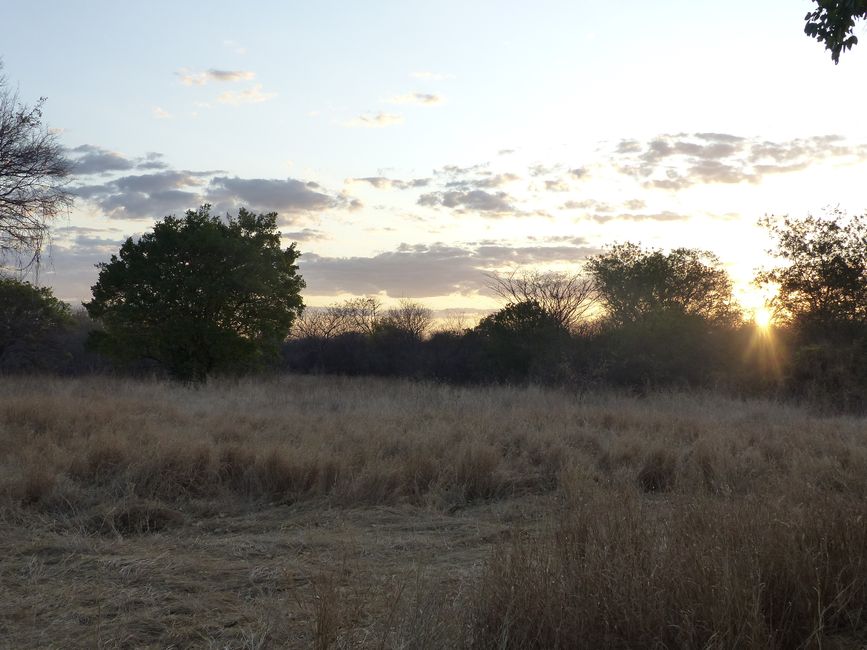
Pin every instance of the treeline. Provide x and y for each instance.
(634, 317)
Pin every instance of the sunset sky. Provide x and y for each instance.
(411, 147)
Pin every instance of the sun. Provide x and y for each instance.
(762, 317)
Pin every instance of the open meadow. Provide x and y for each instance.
(334, 513)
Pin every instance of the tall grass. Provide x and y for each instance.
(674, 520)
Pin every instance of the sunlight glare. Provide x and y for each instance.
(762, 318)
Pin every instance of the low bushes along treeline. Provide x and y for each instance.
(634, 317)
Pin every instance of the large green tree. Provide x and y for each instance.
(832, 22)
(633, 283)
(200, 294)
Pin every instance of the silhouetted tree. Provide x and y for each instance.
(566, 297)
(823, 276)
(409, 316)
(633, 283)
(822, 299)
(33, 176)
(199, 294)
(833, 23)
(522, 340)
(31, 319)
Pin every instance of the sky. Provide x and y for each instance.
(410, 148)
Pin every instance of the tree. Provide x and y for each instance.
(30, 320)
(567, 297)
(823, 278)
(523, 339)
(833, 23)
(409, 316)
(633, 284)
(199, 294)
(33, 176)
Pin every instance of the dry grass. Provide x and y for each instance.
(330, 512)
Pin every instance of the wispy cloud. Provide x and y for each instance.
(160, 113)
(190, 78)
(252, 95)
(422, 99)
(383, 183)
(675, 162)
(377, 121)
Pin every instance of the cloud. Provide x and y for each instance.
(151, 160)
(587, 204)
(543, 170)
(487, 180)
(474, 200)
(675, 162)
(637, 216)
(425, 270)
(423, 99)
(578, 172)
(382, 183)
(305, 234)
(160, 113)
(505, 152)
(90, 159)
(189, 78)
(252, 95)
(145, 195)
(266, 194)
(431, 76)
(468, 189)
(558, 185)
(377, 121)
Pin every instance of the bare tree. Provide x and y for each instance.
(567, 297)
(411, 317)
(319, 323)
(361, 314)
(33, 179)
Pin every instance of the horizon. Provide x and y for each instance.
(410, 150)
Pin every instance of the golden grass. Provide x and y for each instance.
(328, 512)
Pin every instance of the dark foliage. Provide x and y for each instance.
(199, 294)
(832, 22)
(32, 322)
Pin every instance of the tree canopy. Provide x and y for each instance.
(29, 318)
(633, 283)
(822, 277)
(33, 173)
(833, 23)
(199, 294)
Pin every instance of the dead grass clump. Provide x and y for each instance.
(476, 474)
(659, 472)
(100, 463)
(35, 487)
(136, 518)
(235, 464)
(700, 573)
(175, 472)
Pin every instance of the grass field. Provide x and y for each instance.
(326, 512)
